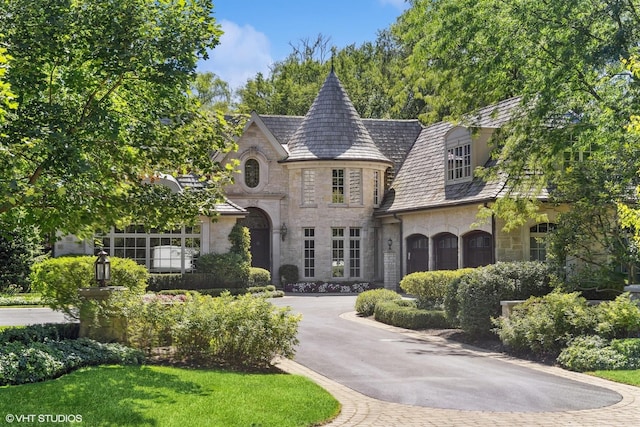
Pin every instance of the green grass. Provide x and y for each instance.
(631, 377)
(162, 396)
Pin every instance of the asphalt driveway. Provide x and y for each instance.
(394, 367)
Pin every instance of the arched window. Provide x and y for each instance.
(446, 245)
(537, 240)
(252, 173)
(478, 249)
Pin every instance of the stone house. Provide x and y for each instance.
(347, 199)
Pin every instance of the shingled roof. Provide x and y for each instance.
(420, 183)
(332, 129)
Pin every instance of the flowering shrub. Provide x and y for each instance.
(324, 287)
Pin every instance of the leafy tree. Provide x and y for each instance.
(563, 59)
(367, 72)
(212, 92)
(102, 89)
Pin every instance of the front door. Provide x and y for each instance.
(260, 229)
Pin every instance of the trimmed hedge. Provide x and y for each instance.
(430, 287)
(366, 301)
(259, 277)
(288, 274)
(405, 314)
(58, 279)
(479, 293)
(225, 270)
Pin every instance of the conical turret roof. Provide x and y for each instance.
(332, 129)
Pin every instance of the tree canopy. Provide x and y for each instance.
(102, 103)
(565, 59)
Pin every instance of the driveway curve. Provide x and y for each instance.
(394, 365)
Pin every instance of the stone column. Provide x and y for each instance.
(390, 270)
(98, 326)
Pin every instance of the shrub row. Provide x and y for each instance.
(40, 352)
(240, 331)
(208, 280)
(430, 287)
(405, 314)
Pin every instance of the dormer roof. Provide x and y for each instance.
(332, 129)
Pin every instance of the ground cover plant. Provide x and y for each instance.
(163, 396)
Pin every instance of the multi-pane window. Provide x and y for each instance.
(159, 250)
(308, 187)
(376, 188)
(309, 252)
(537, 240)
(337, 186)
(355, 186)
(459, 162)
(337, 252)
(354, 252)
(571, 157)
(252, 173)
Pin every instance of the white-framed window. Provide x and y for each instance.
(337, 186)
(572, 157)
(161, 251)
(538, 240)
(308, 187)
(337, 252)
(355, 259)
(355, 186)
(459, 162)
(309, 252)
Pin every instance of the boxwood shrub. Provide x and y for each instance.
(405, 314)
(259, 277)
(366, 301)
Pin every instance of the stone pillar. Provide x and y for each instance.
(390, 270)
(98, 326)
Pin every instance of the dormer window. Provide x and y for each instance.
(459, 162)
(458, 156)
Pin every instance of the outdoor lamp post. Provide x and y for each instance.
(102, 269)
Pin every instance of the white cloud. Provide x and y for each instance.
(241, 54)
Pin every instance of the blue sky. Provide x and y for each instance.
(259, 32)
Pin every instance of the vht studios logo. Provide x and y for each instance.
(43, 418)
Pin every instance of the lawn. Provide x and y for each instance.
(631, 377)
(162, 396)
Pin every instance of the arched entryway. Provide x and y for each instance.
(446, 247)
(478, 249)
(259, 225)
(417, 253)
